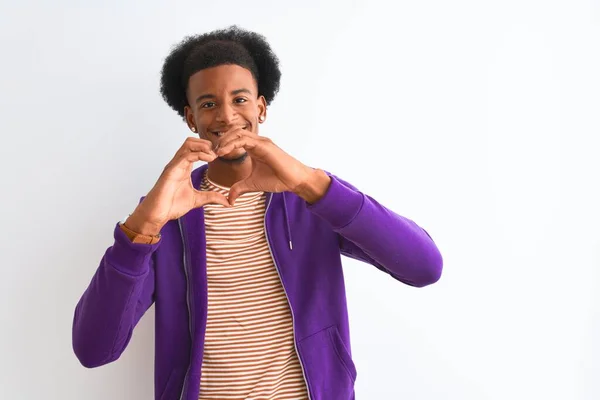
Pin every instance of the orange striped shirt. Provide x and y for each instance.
(249, 350)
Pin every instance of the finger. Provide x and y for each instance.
(233, 134)
(201, 149)
(191, 157)
(195, 156)
(238, 189)
(194, 143)
(245, 142)
(203, 198)
(185, 160)
(193, 151)
(198, 145)
(193, 139)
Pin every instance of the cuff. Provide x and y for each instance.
(128, 257)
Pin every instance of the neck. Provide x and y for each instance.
(227, 173)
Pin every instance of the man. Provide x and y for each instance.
(242, 255)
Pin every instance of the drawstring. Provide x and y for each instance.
(287, 222)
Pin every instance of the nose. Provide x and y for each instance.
(226, 114)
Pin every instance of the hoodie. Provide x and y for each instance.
(307, 242)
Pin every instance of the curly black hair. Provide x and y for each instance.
(232, 45)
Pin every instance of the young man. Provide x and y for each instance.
(242, 255)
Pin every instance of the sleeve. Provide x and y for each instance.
(120, 292)
(370, 232)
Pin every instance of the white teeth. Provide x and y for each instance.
(221, 133)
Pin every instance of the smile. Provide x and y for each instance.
(220, 133)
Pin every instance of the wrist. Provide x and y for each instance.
(314, 187)
(139, 224)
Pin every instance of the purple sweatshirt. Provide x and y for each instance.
(306, 242)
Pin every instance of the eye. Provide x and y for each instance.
(240, 100)
(208, 104)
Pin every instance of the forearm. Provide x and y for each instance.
(397, 243)
(393, 242)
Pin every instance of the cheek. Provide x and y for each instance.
(204, 118)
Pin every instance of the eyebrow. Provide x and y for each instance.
(212, 96)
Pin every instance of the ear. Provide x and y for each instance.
(262, 108)
(189, 119)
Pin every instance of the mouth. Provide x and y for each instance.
(222, 132)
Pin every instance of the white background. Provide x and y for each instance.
(477, 119)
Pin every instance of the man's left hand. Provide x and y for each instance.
(273, 170)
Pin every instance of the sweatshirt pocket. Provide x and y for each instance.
(342, 352)
(328, 366)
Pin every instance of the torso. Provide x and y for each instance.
(249, 348)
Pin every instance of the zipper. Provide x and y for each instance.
(287, 298)
(188, 300)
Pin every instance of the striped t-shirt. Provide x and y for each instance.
(249, 350)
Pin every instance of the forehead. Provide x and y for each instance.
(221, 79)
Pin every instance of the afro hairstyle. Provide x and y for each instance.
(231, 45)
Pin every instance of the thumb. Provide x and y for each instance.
(238, 189)
(208, 197)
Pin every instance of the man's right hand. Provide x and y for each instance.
(173, 195)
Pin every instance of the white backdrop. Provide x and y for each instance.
(477, 119)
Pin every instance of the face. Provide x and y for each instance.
(221, 98)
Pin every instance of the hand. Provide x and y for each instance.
(273, 170)
(173, 195)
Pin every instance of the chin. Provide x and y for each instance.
(234, 159)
